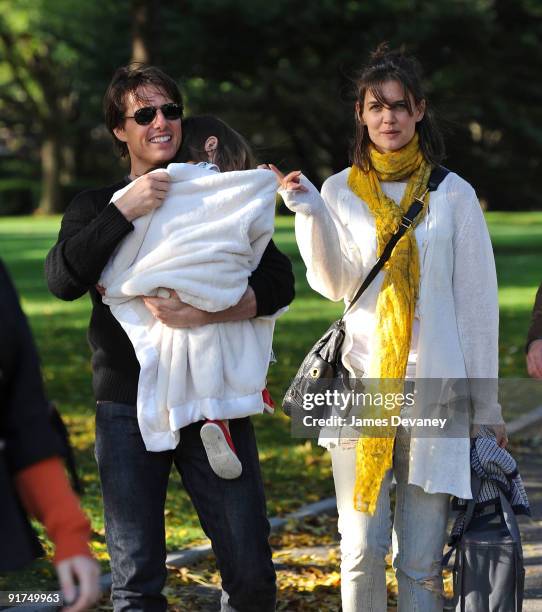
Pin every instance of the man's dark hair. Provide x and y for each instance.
(125, 82)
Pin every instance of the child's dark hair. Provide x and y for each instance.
(232, 153)
(385, 65)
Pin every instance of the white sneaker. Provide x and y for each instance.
(220, 450)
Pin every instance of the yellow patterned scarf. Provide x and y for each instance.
(396, 301)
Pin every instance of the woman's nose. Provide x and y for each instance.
(388, 116)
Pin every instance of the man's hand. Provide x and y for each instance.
(534, 359)
(87, 573)
(290, 182)
(498, 430)
(148, 193)
(171, 311)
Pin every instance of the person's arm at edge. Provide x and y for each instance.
(46, 494)
(33, 444)
(533, 347)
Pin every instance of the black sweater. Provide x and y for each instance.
(89, 234)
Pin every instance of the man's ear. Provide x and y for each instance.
(120, 133)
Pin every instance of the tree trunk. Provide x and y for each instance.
(51, 200)
(145, 18)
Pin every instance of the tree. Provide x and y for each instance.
(145, 31)
(282, 73)
(44, 46)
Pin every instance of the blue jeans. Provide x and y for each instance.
(232, 512)
(419, 532)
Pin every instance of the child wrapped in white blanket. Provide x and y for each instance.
(203, 242)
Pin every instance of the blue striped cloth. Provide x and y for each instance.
(496, 469)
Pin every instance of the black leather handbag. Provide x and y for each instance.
(489, 572)
(322, 369)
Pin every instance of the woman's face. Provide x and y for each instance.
(390, 126)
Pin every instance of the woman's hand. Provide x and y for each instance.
(86, 572)
(290, 182)
(499, 431)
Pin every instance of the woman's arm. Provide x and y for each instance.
(321, 236)
(477, 312)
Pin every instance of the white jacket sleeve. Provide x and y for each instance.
(477, 312)
(322, 238)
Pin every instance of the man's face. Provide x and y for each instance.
(153, 144)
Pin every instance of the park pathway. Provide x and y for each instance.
(189, 593)
(525, 446)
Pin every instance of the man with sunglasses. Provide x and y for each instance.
(143, 111)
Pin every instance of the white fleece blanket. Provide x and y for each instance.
(203, 242)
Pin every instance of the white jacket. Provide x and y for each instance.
(203, 242)
(457, 305)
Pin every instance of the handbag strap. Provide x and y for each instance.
(507, 513)
(476, 485)
(510, 520)
(438, 174)
(513, 529)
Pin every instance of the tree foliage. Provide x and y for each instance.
(282, 73)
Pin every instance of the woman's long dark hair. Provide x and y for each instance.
(385, 65)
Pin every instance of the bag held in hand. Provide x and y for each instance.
(488, 574)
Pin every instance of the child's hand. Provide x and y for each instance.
(290, 182)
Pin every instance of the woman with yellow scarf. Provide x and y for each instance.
(431, 313)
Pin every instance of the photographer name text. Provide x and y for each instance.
(354, 421)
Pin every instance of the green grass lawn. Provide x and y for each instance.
(295, 472)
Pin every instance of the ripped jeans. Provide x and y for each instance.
(419, 533)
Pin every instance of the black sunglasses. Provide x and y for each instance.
(145, 115)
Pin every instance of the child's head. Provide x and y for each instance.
(207, 138)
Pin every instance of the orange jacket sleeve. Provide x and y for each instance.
(46, 494)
